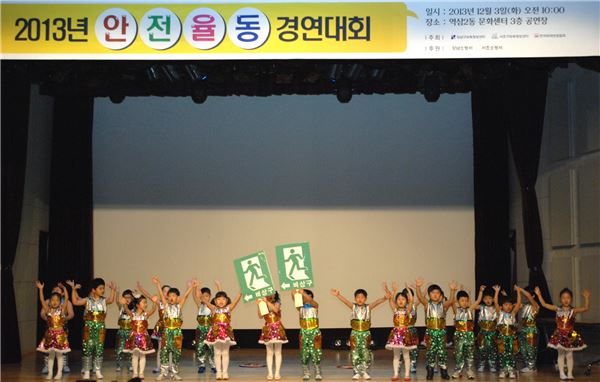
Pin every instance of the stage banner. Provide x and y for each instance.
(254, 276)
(297, 29)
(294, 266)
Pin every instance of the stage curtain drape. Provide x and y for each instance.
(15, 123)
(71, 202)
(490, 171)
(508, 105)
(525, 93)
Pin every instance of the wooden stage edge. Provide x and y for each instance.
(333, 368)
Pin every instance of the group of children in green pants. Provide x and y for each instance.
(506, 328)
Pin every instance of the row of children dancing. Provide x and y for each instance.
(499, 339)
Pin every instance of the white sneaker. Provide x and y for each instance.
(356, 377)
(512, 375)
(86, 374)
(470, 375)
(456, 375)
(526, 369)
(118, 369)
(492, 370)
(176, 377)
(502, 374)
(99, 375)
(366, 376)
(481, 369)
(160, 377)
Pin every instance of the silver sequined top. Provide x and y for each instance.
(309, 312)
(506, 319)
(203, 310)
(361, 312)
(435, 310)
(98, 305)
(487, 313)
(172, 311)
(463, 314)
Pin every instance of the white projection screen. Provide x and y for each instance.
(381, 188)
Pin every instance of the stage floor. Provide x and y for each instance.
(333, 368)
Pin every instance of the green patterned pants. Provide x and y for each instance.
(93, 339)
(359, 350)
(122, 337)
(464, 350)
(486, 345)
(436, 347)
(204, 352)
(528, 341)
(508, 347)
(310, 346)
(414, 353)
(171, 342)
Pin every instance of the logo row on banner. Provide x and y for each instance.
(203, 28)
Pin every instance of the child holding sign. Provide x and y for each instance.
(220, 334)
(360, 337)
(273, 333)
(310, 334)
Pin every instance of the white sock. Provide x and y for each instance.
(569, 363)
(269, 348)
(225, 357)
(134, 363)
(396, 361)
(51, 356)
(158, 356)
(142, 364)
(278, 358)
(218, 358)
(60, 361)
(561, 361)
(406, 356)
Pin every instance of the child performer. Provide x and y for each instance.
(486, 338)
(158, 327)
(310, 335)
(273, 334)
(464, 336)
(435, 319)
(204, 353)
(528, 331)
(55, 342)
(220, 334)
(506, 325)
(401, 338)
(58, 288)
(124, 328)
(172, 336)
(139, 343)
(360, 337)
(414, 353)
(94, 329)
(565, 339)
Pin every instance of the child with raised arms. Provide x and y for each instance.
(435, 319)
(360, 336)
(220, 334)
(565, 339)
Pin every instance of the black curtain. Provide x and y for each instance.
(508, 105)
(525, 95)
(70, 228)
(15, 121)
(490, 171)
